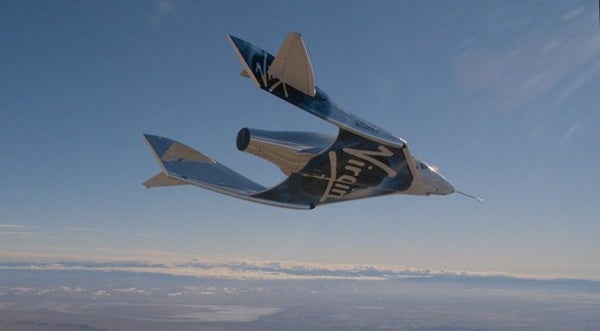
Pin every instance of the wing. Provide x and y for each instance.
(352, 168)
(183, 165)
(289, 76)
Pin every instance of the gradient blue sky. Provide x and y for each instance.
(502, 96)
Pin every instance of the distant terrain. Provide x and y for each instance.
(125, 300)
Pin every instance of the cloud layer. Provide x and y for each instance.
(233, 268)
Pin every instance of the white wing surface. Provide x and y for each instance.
(183, 165)
(292, 65)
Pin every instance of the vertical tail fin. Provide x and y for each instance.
(292, 65)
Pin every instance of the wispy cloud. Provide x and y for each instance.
(11, 226)
(61, 289)
(130, 290)
(100, 293)
(558, 55)
(83, 229)
(17, 234)
(161, 11)
(19, 231)
(18, 226)
(572, 14)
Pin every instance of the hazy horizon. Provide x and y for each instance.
(270, 296)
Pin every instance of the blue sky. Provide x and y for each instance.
(502, 96)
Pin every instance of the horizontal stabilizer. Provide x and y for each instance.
(161, 180)
(292, 65)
